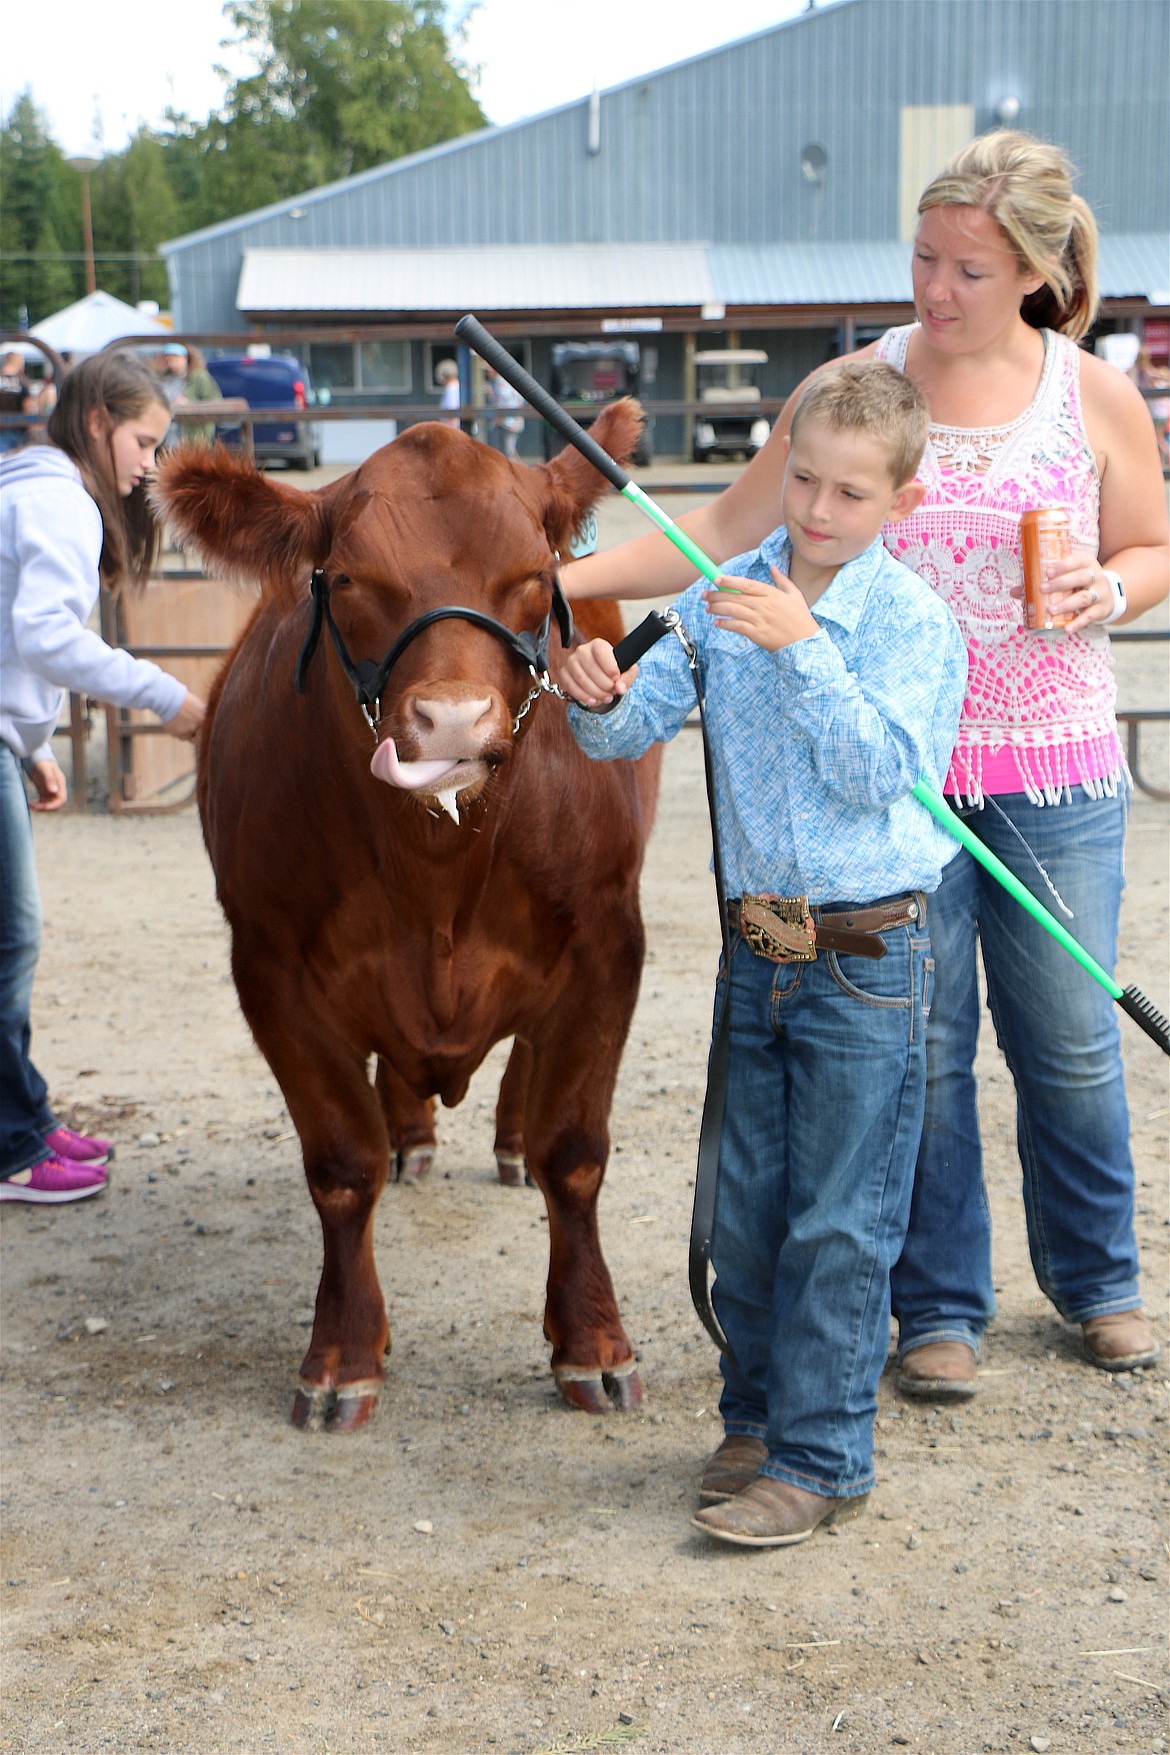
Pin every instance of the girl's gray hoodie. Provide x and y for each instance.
(50, 545)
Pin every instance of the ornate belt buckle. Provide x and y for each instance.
(779, 928)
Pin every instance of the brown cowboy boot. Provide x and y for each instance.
(733, 1467)
(941, 1371)
(773, 1514)
(1120, 1341)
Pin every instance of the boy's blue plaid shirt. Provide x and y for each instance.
(816, 747)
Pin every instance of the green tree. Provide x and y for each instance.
(134, 207)
(41, 262)
(339, 86)
(366, 80)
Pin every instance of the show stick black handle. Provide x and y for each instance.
(472, 331)
(640, 639)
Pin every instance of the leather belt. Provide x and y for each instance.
(890, 911)
(848, 929)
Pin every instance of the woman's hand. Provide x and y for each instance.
(188, 719)
(49, 781)
(1077, 586)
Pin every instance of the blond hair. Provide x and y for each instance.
(1026, 186)
(871, 397)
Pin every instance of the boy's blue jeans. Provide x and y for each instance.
(826, 1082)
(25, 1116)
(1058, 1029)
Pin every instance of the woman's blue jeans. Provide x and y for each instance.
(1058, 1031)
(25, 1116)
(826, 1082)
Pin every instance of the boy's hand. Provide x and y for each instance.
(591, 676)
(770, 618)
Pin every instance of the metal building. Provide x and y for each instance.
(761, 194)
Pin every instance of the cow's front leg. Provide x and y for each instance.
(346, 1155)
(410, 1121)
(342, 1372)
(568, 1144)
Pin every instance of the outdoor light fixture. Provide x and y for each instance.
(814, 161)
(593, 141)
(1007, 111)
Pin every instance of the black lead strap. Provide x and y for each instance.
(627, 652)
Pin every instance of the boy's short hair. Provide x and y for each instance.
(869, 396)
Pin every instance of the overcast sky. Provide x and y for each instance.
(98, 68)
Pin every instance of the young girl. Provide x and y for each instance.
(73, 515)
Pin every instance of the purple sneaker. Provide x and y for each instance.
(78, 1148)
(54, 1181)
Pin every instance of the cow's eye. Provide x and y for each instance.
(343, 579)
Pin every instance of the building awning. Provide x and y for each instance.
(626, 278)
(548, 277)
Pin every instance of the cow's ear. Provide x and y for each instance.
(248, 526)
(577, 485)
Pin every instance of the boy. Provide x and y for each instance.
(833, 679)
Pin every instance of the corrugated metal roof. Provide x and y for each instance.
(1129, 265)
(1135, 265)
(811, 274)
(625, 277)
(545, 277)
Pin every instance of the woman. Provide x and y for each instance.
(1004, 285)
(73, 514)
(447, 378)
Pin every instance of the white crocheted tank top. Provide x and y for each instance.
(1039, 714)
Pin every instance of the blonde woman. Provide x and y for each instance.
(1004, 276)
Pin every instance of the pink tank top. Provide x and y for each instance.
(1039, 716)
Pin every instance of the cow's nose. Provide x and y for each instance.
(435, 714)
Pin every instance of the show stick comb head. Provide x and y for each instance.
(1147, 1015)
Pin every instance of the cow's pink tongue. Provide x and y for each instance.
(409, 775)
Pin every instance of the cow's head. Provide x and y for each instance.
(434, 520)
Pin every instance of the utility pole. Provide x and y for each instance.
(83, 165)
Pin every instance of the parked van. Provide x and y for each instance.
(272, 380)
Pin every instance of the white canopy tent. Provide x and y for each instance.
(94, 321)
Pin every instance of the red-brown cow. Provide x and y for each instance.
(423, 878)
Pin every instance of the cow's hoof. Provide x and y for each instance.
(512, 1168)
(324, 1408)
(600, 1392)
(415, 1164)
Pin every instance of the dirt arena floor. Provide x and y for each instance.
(479, 1569)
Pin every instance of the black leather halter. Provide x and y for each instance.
(368, 680)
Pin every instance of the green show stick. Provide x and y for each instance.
(1135, 1003)
(1129, 999)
